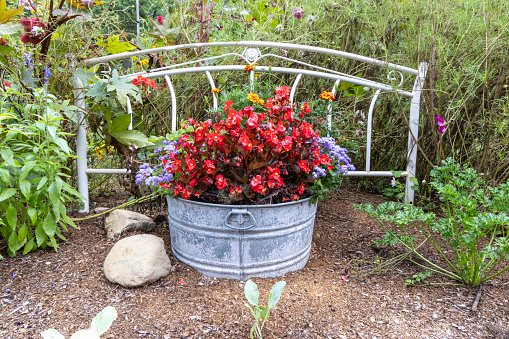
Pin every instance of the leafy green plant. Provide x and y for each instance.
(471, 228)
(100, 325)
(261, 313)
(34, 193)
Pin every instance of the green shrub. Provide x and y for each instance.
(472, 229)
(34, 194)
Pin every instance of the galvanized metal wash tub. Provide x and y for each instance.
(241, 241)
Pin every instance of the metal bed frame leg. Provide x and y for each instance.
(414, 132)
(81, 145)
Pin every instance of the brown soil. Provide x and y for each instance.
(332, 297)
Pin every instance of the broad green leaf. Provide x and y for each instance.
(396, 174)
(251, 292)
(53, 242)
(54, 193)
(7, 155)
(7, 194)
(275, 293)
(26, 169)
(113, 45)
(12, 216)
(123, 87)
(32, 213)
(49, 225)
(29, 246)
(414, 181)
(40, 235)
(23, 233)
(132, 138)
(62, 144)
(25, 188)
(5, 176)
(263, 312)
(120, 124)
(103, 320)
(42, 182)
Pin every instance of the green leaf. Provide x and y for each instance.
(25, 188)
(263, 312)
(396, 174)
(414, 181)
(23, 233)
(132, 138)
(54, 193)
(103, 320)
(275, 293)
(32, 213)
(12, 216)
(7, 155)
(124, 87)
(113, 45)
(40, 235)
(251, 292)
(62, 144)
(120, 124)
(5, 176)
(29, 246)
(42, 183)
(26, 169)
(49, 225)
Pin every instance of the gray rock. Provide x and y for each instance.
(120, 221)
(137, 260)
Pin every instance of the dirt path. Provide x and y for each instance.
(329, 298)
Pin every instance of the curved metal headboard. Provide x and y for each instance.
(252, 55)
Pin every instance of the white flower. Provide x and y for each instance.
(311, 19)
(36, 30)
(279, 27)
(393, 181)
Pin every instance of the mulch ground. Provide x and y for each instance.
(332, 297)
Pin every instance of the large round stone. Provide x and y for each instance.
(137, 260)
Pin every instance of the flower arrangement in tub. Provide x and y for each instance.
(264, 153)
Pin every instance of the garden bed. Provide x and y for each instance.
(330, 298)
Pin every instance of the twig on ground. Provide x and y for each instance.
(477, 299)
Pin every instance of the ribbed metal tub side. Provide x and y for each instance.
(241, 241)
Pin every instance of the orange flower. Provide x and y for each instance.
(248, 68)
(215, 90)
(327, 96)
(253, 97)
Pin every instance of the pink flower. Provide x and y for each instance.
(7, 84)
(298, 12)
(160, 19)
(441, 124)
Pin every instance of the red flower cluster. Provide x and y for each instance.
(142, 80)
(248, 156)
(34, 30)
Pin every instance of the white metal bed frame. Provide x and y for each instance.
(251, 55)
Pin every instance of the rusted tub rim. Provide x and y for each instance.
(241, 206)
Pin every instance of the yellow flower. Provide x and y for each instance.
(143, 62)
(256, 75)
(215, 90)
(256, 64)
(253, 97)
(261, 102)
